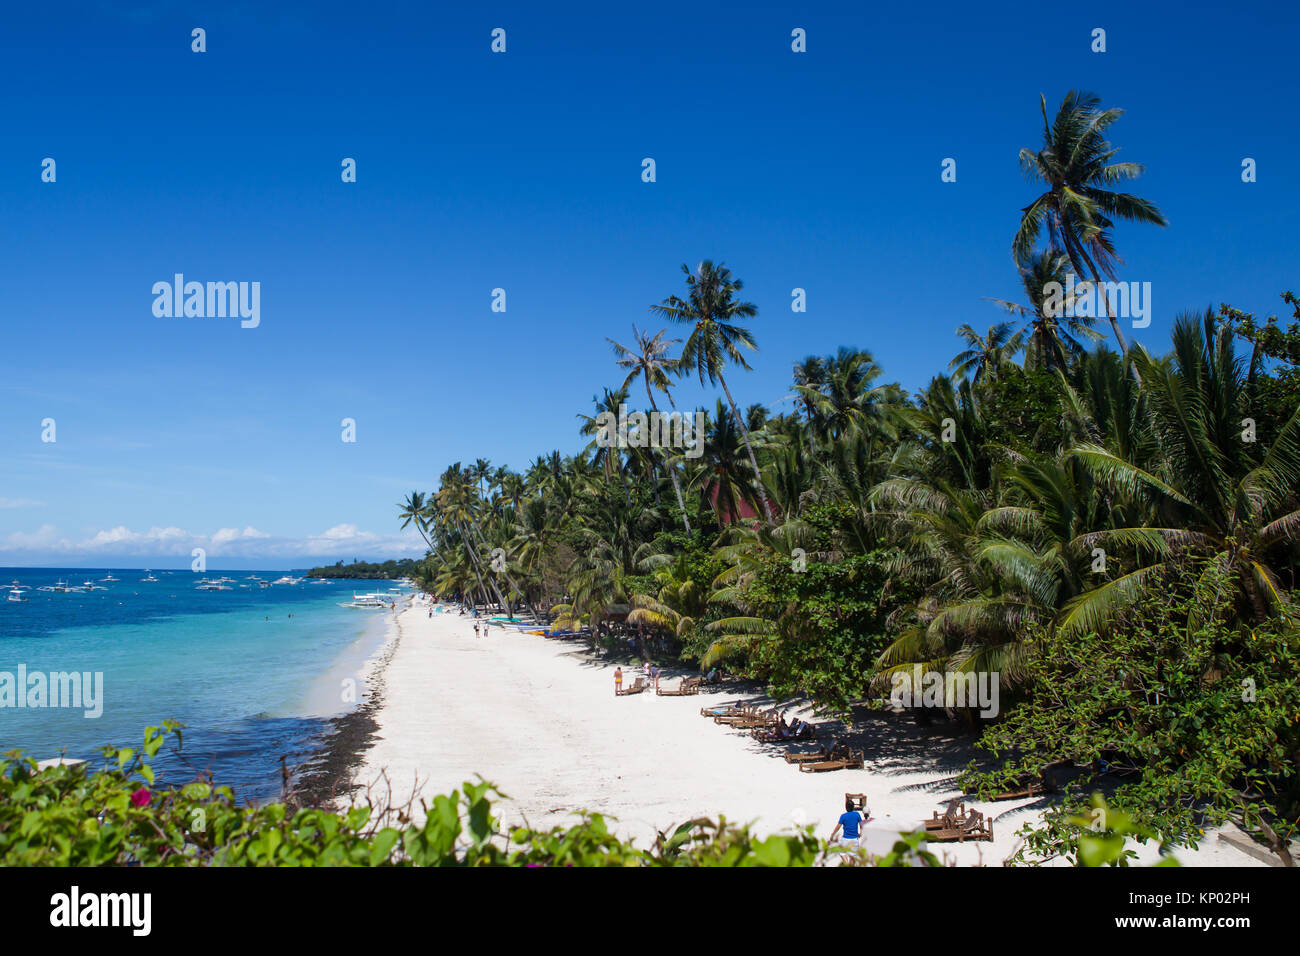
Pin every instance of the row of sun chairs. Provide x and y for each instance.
(687, 688)
(767, 726)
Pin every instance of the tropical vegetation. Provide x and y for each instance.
(1112, 531)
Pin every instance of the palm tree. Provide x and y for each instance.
(809, 377)
(720, 474)
(1078, 209)
(715, 340)
(985, 355)
(847, 401)
(415, 510)
(608, 457)
(650, 361)
(1053, 334)
(482, 471)
(679, 603)
(1219, 496)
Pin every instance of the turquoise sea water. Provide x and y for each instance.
(254, 673)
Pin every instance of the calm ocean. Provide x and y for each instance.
(254, 673)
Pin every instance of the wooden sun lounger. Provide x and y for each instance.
(749, 718)
(688, 686)
(722, 710)
(768, 736)
(1030, 787)
(972, 825)
(855, 760)
(953, 815)
(761, 722)
(822, 754)
(636, 688)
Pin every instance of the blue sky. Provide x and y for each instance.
(522, 171)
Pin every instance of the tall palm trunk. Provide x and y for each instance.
(753, 461)
(474, 559)
(1110, 313)
(672, 470)
(509, 577)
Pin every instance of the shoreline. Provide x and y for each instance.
(537, 717)
(328, 777)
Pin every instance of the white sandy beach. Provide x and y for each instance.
(539, 718)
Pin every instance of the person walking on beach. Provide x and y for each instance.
(618, 680)
(654, 676)
(850, 820)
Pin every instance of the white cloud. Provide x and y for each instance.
(249, 542)
(21, 503)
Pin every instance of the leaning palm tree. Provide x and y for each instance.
(715, 340)
(1078, 209)
(985, 354)
(650, 361)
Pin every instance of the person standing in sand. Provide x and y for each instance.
(618, 680)
(851, 820)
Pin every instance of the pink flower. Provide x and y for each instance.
(141, 798)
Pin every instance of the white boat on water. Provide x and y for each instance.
(108, 577)
(287, 580)
(18, 594)
(148, 577)
(213, 586)
(60, 587)
(91, 586)
(376, 600)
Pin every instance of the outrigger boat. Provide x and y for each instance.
(60, 587)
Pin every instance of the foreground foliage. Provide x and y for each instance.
(67, 816)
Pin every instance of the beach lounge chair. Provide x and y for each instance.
(722, 710)
(853, 760)
(770, 735)
(1031, 787)
(688, 686)
(952, 815)
(751, 717)
(814, 757)
(1021, 790)
(837, 750)
(958, 824)
(636, 688)
(760, 721)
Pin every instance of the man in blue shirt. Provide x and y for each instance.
(850, 820)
